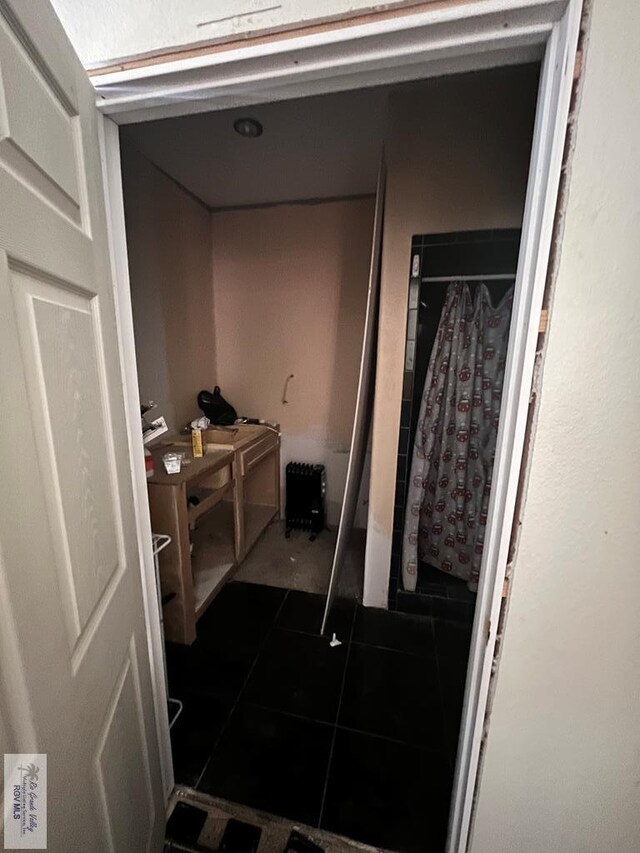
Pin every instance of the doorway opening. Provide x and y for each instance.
(248, 261)
(436, 560)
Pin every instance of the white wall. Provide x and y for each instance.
(169, 247)
(562, 769)
(457, 159)
(132, 27)
(290, 290)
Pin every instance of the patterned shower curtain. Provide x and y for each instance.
(450, 482)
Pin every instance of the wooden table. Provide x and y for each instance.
(237, 489)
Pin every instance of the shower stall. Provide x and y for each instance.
(460, 285)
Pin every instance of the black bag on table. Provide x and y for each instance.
(216, 408)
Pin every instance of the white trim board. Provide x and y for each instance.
(112, 179)
(465, 37)
(470, 36)
(542, 191)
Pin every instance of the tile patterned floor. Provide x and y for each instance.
(358, 740)
(439, 595)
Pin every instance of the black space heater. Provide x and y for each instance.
(306, 487)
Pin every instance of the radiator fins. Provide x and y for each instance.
(305, 486)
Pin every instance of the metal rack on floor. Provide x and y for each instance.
(160, 541)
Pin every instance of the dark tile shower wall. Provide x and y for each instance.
(489, 252)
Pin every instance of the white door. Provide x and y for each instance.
(74, 669)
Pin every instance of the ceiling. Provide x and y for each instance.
(312, 148)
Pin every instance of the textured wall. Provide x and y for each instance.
(145, 26)
(457, 154)
(169, 247)
(562, 769)
(290, 285)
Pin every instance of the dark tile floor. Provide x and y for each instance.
(439, 595)
(359, 739)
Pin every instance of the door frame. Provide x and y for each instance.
(117, 238)
(442, 40)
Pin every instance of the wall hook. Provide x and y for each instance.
(286, 385)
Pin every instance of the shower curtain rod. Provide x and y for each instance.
(496, 277)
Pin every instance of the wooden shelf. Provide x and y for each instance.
(208, 499)
(238, 489)
(196, 469)
(213, 557)
(256, 518)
